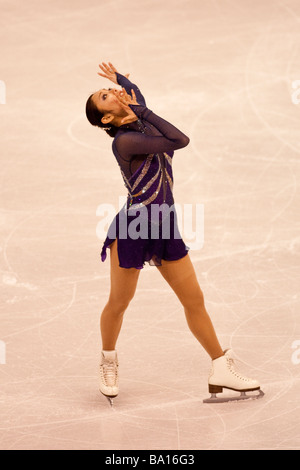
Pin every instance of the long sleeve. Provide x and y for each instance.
(128, 85)
(137, 143)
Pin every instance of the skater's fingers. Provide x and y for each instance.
(112, 67)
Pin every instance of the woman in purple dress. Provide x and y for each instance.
(145, 230)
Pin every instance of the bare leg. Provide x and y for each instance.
(181, 276)
(123, 286)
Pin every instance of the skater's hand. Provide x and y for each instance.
(125, 100)
(110, 72)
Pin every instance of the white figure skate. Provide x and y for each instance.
(224, 375)
(109, 378)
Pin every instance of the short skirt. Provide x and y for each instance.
(142, 238)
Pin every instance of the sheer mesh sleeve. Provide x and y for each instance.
(128, 85)
(131, 143)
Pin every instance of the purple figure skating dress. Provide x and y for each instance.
(146, 227)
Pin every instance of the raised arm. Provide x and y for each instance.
(129, 86)
(110, 72)
(136, 143)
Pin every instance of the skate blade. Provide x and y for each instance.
(242, 396)
(109, 399)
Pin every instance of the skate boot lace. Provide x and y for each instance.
(109, 371)
(231, 367)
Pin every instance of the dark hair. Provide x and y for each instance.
(94, 117)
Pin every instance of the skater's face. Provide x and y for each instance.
(106, 101)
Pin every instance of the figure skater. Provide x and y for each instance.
(144, 145)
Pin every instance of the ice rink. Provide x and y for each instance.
(225, 72)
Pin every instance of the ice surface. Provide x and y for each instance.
(223, 72)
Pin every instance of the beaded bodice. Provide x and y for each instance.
(152, 182)
(144, 151)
